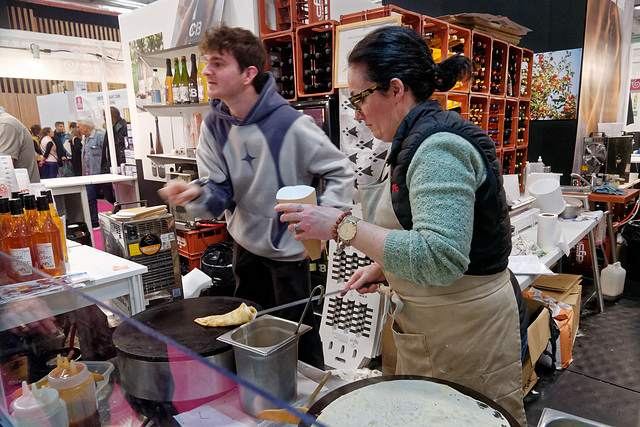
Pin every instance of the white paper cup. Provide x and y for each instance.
(305, 195)
(548, 196)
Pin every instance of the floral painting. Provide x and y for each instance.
(555, 85)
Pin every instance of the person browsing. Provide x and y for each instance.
(252, 143)
(436, 226)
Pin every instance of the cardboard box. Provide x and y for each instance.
(563, 288)
(538, 335)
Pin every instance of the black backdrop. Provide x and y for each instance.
(555, 25)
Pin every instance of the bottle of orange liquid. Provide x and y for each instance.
(5, 218)
(30, 210)
(47, 241)
(58, 221)
(19, 244)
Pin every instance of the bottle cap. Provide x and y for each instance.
(68, 375)
(29, 201)
(15, 206)
(49, 195)
(4, 205)
(38, 404)
(43, 203)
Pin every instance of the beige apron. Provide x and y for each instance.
(463, 332)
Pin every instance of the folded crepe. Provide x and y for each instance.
(239, 316)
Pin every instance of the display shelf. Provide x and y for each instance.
(510, 129)
(314, 58)
(436, 34)
(481, 58)
(526, 73)
(497, 84)
(175, 110)
(522, 139)
(170, 159)
(513, 71)
(282, 61)
(495, 122)
(157, 59)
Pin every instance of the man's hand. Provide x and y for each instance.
(178, 191)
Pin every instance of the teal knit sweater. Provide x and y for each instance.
(442, 179)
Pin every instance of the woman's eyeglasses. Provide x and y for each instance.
(357, 99)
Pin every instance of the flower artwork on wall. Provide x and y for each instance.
(555, 85)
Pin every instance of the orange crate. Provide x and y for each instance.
(481, 58)
(458, 101)
(526, 73)
(497, 83)
(510, 129)
(513, 72)
(479, 111)
(194, 242)
(191, 261)
(436, 34)
(286, 15)
(314, 58)
(459, 43)
(282, 62)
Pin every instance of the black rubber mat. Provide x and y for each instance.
(608, 345)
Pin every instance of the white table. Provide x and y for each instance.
(574, 231)
(69, 189)
(112, 277)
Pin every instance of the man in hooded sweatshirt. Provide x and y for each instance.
(252, 143)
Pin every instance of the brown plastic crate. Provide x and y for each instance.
(497, 85)
(194, 242)
(458, 100)
(510, 129)
(514, 63)
(481, 58)
(315, 58)
(508, 161)
(408, 18)
(276, 16)
(520, 162)
(479, 110)
(191, 261)
(459, 42)
(350, 18)
(436, 34)
(524, 114)
(281, 48)
(526, 73)
(495, 121)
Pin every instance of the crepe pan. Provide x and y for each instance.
(145, 366)
(328, 398)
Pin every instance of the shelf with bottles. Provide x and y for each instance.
(513, 72)
(510, 128)
(495, 121)
(458, 102)
(497, 82)
(157, 59)
(481, 59)
(479, 110)
(524, 112)
(508, 160)
(408, 18)
(436, 34)
(175, 110)
(315, 56)
(519, 164)
(526, 68)
(459, 42)
(281, 62)
(278, 16)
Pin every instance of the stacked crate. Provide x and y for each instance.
(192, 243)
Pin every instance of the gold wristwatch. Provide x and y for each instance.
(347, 229)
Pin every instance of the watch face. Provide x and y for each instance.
(347, 230)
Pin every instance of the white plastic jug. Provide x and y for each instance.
(612, 279)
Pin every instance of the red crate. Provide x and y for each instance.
(458, 100)
(497, 85)
(286, 15)
(526, 73)
(495, 122)
(282, 62)
(408, 18)
(459, 43)
(524, 114)
(194, 242)
(436, 34)
(315, 58)
(479, 110)
(191, 261)
(508, 161)
(521, 161)
(513, 71)
(510, 129)
(481, 58)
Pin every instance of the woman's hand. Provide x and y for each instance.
(366, 279)
(177, 191)
(309, 221)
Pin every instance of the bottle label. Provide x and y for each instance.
(184, 94)
(45, 256)
(200, 93)
(176, 96)
(193, 94)
(23, 255)
(156, 96)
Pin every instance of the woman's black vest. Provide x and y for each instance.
(491, 241)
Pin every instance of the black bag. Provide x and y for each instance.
(216, 263)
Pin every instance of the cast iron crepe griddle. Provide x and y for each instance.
(175, 320)
(328, 398)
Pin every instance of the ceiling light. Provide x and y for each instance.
(35, 50)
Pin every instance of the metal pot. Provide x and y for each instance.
(573, 209)
(149, 368)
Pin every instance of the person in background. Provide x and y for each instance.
(50, 161)
(75, 142)
(35, 134)
(16, 141)
(66, 140)
(119, 135)
(91, 161)
(252, 143)
(59, 136)
(437, 226)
